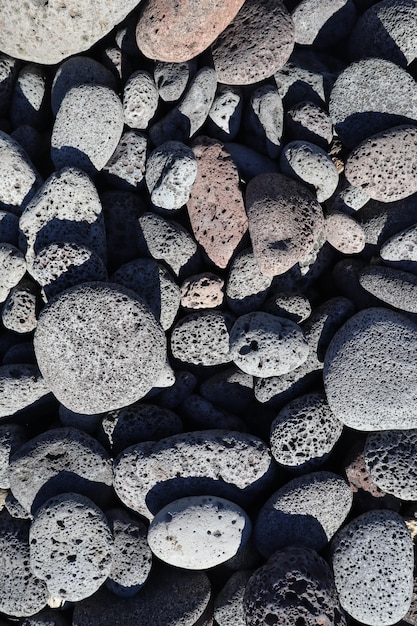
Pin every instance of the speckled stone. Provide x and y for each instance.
(19, 311)
(202, 338)
(140, 100)
(19, 179)
(308, 121)
(246, 287)
(400, 250)
(20, 386)
(172, 78)
(393, 287)
(13, 268)
(263, 121)
(323, 23)
(202, 291)
(294, 306)
(224, 118)
(126, 167)
(344, 233)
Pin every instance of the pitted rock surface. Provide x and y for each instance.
(393, 287)
(19, 178)
(30, 97)
(202, 338)
(322, 23)
(247, 287)
(171, 78)
(202, 291)
(13, 268)
(12, 436)
(228, 605)
(225, 115)
(400, 250)
(264, 121)
(307, 121)
(20, 386)
(125, 170)
(344, 233)
(140, 100)
(20, 308)
(294, 306)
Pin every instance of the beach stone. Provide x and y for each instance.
(87, 423)
(126, 167)
(167, 31)
(224, 117)
(310, 164)
(132, 557)
(198, 532)
(154, 284)
(121, 211)
(323, 23)
(344, 233)
(249, 162)
(216, 209)
(9, 68)
(199, 412)
(171, 170)
(294, 306)
(296, 584)
(264, 120)
(77, 71)
(118, 63)
(166, 240)
(20, 386)
(21, 592)
(202, 291)
(66, 208)
(393, 287)
(380, 541)
(87, 112)
(184, 384)
(30, 97)
(171, 597)
(184, 120)
(172, 78)
(386, 30)
(284, 221)
(12, 436)
(13, 268)
(391, 154)
(9, 228)
(400, 250)
(111, 324)
(304, 432)
(136, 423)
(308, 121)
(60, 459)
(346, 278)
(371, 96)
(185, 461)
(140, 100)
(367, 386)
(230, 389)
(15, 509)
(19, 311)
(246, 287)
(19, 178)
(256, 43)
(59, 266)
(228, 605)
(307, 511)
(202, 338)
(302, 78)
(84, 559)
(265, 345)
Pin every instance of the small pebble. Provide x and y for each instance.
(12, 266)
(19, 311)
(323, 23)
(140, 100)
(344, 233)
(202, 291)
(171, 170)
(202, 338)
(126, 167)
(19, 180)
(224, 118)
(20, 386)
(308, 121)
(172, 78)
(264, 121)
(29, 101)
(294, 306)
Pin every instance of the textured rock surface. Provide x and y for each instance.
(140, 100)
(247, 286)
(171, 170)
(19, 310)
(323, 22)
(12, 436)
(344, 233)
(393, 287)
(228, 605)
(126, 167)
(19, 178)
(307, 121)
(202, 291)
(20, 386)
(202, 338)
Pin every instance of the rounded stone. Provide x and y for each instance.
(12, 436)
(172, 78)
(307, 511)
(400, 250)
(13, 267)
(247, 287)
(99, 347)
(380, 542)
(393, 287)
(140, 100)
(263, 121)
(202, 291)
(304, 432)
(308, 121)
(20, 308)
(8, 72)
(171, 170)
(323, 23)
(126, 168)
(198, 532)
(294, 306)
(344, 233)
(84, 558)
(228, 605)
(256, 43)
(369, 371)
(19, 180)
(20, 386)
(202, 338)
(265, 345)
(224, 118)
(168, 31)
(87, 112)
(29, 104)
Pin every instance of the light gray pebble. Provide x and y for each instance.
(202, 413)
(299, 81)
(264, 121)
(15, 509)
(185, 383)
(126, 167)
(132, 557)
(87, 423)
(380, 542)
(12, 268)
(12, 436)
(264, 345)
(294, 306)
(30, 97)
(121, 211)
(172, 78)
(249, 162)
(346, 278)
(308, 121)
(228, 604)
(230, 389)
(323, 23)
(118, 63)
(140, 100)
(9, 68)
(348, 199)
(224, 118)
(9, 227)
(125, 36)
(246, 287)
(171, 170)
(20, 386)
(393, 287)
(400, 250)
(307, 162)
(307, 511)
(19, 311)
(344, 233)
(87, 112)
(19, 180)
(202, 338)
(84, 559)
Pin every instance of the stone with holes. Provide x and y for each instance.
(12, 436)
(323, 23)
(344, 233)
(29, 104)
(13, 268)
(308, 121)
(140, 100)
(223, 121)
(202, 338)
(20, 386)
(246, 287)
(393, 287)
(202, 291)
(20, 308)
(264, 120)
(19, 179)
(172, 78)
(171, 170)
(126, 167)
(228, 605)
(294, 306)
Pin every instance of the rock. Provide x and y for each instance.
(202, 413)
(12, 436)
(302, 78)
(294, 306)
(202, 338)
(400, 250)
(346, 278)
(369, 97)
(216, 208)
(87, 423)
(21, 592)
(8, 73)
(348, 199)
(20, 386)
(47, 34)
(391, 154)
(296, 584)
(223, 120)
(249, 162)
(185, 462)
(19, 179)
(29, 104)
(308, 121)
(231, 389)
(282, 230)
(126, 167)
(323, 23)
(307, 511)
(228, 605)
(256, 43)
(84, 559)
(367, 386)
(87, 112)
(121, 210)
(13, 268)
(77, 71)
(171, 79)
(132, 557)
(184, 385)
(154, 284)
(307, 162)
(247, 287)
(202, 291)
(198, 532)
(265, 345)
(264, 121)
(118, 63)
(32, 141)
(393, 287)
(171, 170)
(9, 227)
(386, 30)
(379, 541)
(344, 233)
(20, 308)
(59, 460)
(140, 100)
(304, 432)
(111, 323)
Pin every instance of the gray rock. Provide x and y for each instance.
(380, 542)
(87, 423)
(228, 605)
(99, 347)
(185, 383)
(8, 73)
(140, 100)
(393, 287)
(84, 559)
(12, 436)
(344, 233)
(30, 97)
(346, 279)
(170, 173)
(19, 180)
(224, 118)
(249, 162)
(400, 250)
(202, 291)
(121, 210)
(19, 311)
(308, 121)
(15, 509)
(87, 112)
(59, 460)
(132, 557)
(323, 23)
(172, 78)
(126, 167)
(125, 36)
(307, 511)
(348, 199)
(118, 63)
(202, 338)
(9, 227)
(368, 386)
(296, 584)
(230, 389)
(263, 121)
(294, 306)
(13, 268)
(201, 413)
(20, 386)
(247, 286)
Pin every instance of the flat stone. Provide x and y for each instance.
(228, 605)
(224, 118)
(202, 338)
(393, 287)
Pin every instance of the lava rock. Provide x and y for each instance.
(247, 287)
(12, 436)
(231, 389)
(13, 268)
(20, 386)
(202, 338)
(140, 100)
(19, 179)
(228, 605)
(172, 78)
(323, 23)
(391, 286)
(202, 291)
(344, 233)
(308, 121)
(224, 117)
(264, 120)
(125, 170)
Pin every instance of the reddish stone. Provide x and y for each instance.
(202, 291)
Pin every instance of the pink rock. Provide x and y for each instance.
(172, 30)
(216, 208)
(285, 221)
(202, 291)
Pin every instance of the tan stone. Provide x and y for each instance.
(344, 233)
(202, 291)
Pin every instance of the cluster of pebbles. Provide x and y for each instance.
(208, 335)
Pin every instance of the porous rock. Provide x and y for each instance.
(29, 104)
(224, 118)
(12, 436)
(202, 291)
(393, 287)
(171, 170)
(264, 120)
(228, 605)
(202, 338)
(344, 233)
(20, 386)
(140, 100)
(19, 178)
(308, 121)
(126, 167)
(400, 250)
(294, 306)
(172, 78)
(246, 287)
(322, 23)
